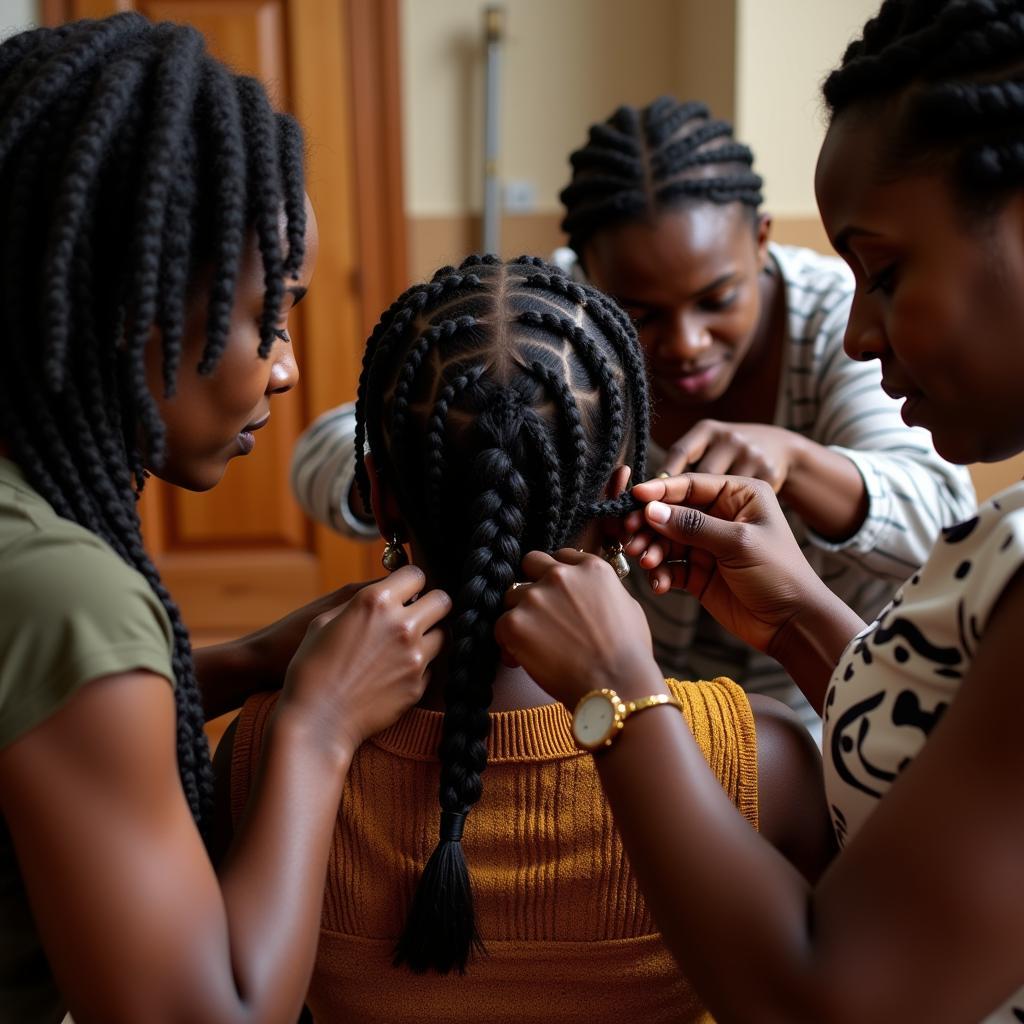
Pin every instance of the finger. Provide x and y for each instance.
(404, 583)
(571, 556)
(640, 541)
(698, 489)
(634, 521)
(535, 564)
(654, 555)
(750, 465)
(689, 448)
(503, 632)
(433, 644)
(430, 609)
(515, 594)
(686, 525)
(719, 458)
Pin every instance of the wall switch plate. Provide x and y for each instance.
(519, 195)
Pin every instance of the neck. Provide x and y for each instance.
(513, 690)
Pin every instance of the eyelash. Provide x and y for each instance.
(280, 332)
(882, 281)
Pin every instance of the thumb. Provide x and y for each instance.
(690, 526)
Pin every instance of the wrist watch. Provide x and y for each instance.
(601, 714)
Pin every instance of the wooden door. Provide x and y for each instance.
(243, 554)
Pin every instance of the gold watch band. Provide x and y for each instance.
(654, 701)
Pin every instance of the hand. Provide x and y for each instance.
(270, 650)
(756, 450)
(362, 665)
(725, 540)
(575, 628)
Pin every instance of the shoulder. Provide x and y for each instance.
(978, 557)
(791, 790)
(70, 610)
(819, 288)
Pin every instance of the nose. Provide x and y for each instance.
(865, 334)
(284, 371)
(686, 337)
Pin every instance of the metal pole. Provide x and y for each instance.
(494, 29)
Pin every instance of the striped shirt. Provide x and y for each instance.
(824, 396)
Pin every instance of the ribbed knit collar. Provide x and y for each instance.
(526, 734)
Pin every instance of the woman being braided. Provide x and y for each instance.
(921, 915)
(155, 236)
(501, 404)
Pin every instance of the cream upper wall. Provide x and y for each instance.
(17, 15)
(784, 50)
(566, 64)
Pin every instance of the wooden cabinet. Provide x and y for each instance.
(243, 554)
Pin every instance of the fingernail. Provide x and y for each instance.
(655, 584)
(658, 512)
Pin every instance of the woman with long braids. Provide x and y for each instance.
(742, 341)
(920, 917)
(154, 237)
(501, 404)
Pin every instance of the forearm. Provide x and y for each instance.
(810, 644)
(720, 894)
(228, 673)
(272, 881)
(825, 490)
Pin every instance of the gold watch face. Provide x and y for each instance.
(593, 721)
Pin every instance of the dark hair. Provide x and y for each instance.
(129, 160)
(640, 162)
(958, 65)
(496, 400)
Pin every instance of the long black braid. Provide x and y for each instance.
(640, 162)
(130, 161)
(958, 65)
(497, 400)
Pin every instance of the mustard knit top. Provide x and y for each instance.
(568, 935)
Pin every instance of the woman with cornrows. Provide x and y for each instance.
(743, 346)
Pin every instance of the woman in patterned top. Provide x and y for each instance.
(921, 915)
(743, 345)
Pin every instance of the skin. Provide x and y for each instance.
(135, 921)
(887, 934)
(712, 325)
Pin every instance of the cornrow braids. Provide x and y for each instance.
(640, 162)
(957, 66)
(503, 394)
(130, 161)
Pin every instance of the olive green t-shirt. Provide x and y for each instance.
(70, 611)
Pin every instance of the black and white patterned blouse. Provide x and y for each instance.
(897, 678)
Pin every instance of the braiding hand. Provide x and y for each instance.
(726, 541)
(756, 450)
(574, 627)
(362, 665)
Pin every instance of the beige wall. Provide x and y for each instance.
(784, 49)
(17, 15)
(567, 63)
(706, 54)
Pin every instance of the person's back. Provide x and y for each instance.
(567, 933)
(500, 404)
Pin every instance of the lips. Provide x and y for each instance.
(255, 425)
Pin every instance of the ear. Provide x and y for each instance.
(383, 503)
(763, 234)
(617, 482)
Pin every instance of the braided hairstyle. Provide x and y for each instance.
(956, 65)
(497, 401)
(130, 161)
(640, 162)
